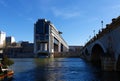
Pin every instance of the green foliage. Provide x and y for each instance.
(6, 61)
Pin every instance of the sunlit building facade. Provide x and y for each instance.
(2, 40)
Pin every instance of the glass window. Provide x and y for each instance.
(46, 29)
(56, 41)
(40, 28)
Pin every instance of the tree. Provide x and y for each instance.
(6, 61)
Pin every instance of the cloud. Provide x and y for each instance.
(3, 3)
(66, 13)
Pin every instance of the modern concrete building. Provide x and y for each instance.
(47, 39)
(10, 40)
(2, 40)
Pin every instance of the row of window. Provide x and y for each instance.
(42, 37)
(42, 28)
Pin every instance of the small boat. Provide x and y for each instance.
(6, 73)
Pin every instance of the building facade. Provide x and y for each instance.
(22, 49)
(2, 40)
(47, 39)
(75, 48)
(10, 40)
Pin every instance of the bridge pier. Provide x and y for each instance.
(107, 64)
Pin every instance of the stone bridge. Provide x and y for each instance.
(104, 48)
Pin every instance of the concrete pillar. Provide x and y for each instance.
(46, 47)
(43, 47)
(51, 44)
(59, 47)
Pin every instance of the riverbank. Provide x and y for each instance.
(67, 55)
(56, 55)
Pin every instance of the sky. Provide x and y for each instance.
(77, 19)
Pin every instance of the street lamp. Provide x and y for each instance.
(102, 24)
(94, 32)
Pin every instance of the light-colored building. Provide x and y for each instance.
(2, 40)
(47, 39)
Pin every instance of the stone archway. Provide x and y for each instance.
(97, 53)
(86, 52)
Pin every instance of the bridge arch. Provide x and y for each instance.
(96, 54)
(86, 52)
(101, 45)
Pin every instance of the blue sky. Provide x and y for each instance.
(75, 18)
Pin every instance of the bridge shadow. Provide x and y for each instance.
(97, 53)
(110, 76)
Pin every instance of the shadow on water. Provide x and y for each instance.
(60, 69)
(110, 76)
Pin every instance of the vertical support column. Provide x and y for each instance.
(46, 47)
(43, 47)
(59, 47)
(51, 45)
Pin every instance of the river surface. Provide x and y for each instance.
(59, 69)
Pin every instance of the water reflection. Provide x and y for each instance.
(47, 70)
(60, 69)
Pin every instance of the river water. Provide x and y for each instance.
(59, 69)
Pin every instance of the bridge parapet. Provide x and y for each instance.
(109, 27)
(103, 48)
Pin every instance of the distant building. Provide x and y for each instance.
(27, 47)
(22, 49)
(2, 40)
(75, 48)
(47, 39)
(10, 40)
(75, 51)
